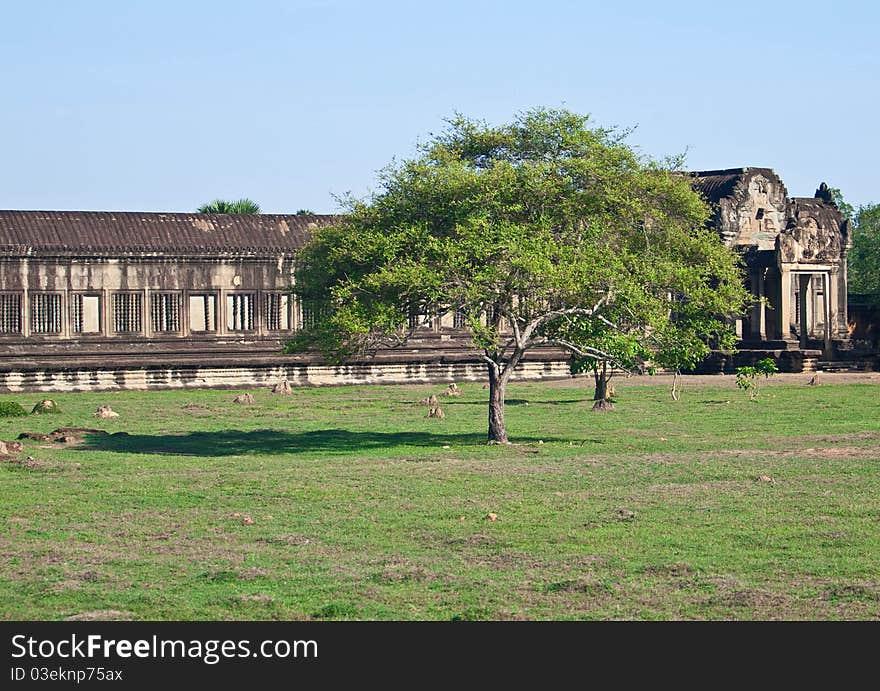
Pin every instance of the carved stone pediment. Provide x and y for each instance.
(755, 214)
(806, 241)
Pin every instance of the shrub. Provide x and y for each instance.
(46, 406)
(748, 378)
(11, 409)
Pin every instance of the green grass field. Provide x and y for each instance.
(348, 503)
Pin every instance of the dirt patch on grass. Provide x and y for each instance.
(676, 570)
(851, 592)
(405, 570)
(583, 585)
(35, 464)
(760, 603)
(477, 539)
(258, 598)
(102, 615)
(838, 452)
(288, 540)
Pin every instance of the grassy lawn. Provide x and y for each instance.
(348, 503)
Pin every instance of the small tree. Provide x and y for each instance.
(680, 289)
(220, 206)
(749, 378)
(541, 232)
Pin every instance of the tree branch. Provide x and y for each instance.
(594, 353)
(572, 311)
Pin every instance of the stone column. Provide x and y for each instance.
(837, 302)
(184, 313)
(762, 309)
(832, 296)
(755, 317)
(146, 313)
(804, 288)
(826, 295)
(784, 311)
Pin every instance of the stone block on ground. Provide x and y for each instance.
(283, 388)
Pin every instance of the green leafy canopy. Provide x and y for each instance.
(541, 231)
(544, 220)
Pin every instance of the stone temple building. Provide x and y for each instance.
(795, 252)
(103, 300)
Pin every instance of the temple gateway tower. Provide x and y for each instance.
(795, 252)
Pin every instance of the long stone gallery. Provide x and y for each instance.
(106, 300)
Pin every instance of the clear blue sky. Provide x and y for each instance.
(157, 105)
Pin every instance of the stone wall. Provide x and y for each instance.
(67, 379)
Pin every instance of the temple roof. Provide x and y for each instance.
(826, 215)
(715, 185)
(125, 233)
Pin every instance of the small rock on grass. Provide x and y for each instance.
(453, 390)
(282, 388)
(105, 412)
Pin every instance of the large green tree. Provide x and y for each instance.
(863, 260)
(221, 206)
(534, 232)
(864, 257)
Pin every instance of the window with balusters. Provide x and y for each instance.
(10, 313)
(85, 313)
(45, 313)
(165, 312)
(127, 312)
(240, 312)
(277, 311)
(202, 313)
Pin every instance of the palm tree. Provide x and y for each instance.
(221, 206)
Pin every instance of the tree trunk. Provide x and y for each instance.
(600, 375)
(497, 384)
(600, 395)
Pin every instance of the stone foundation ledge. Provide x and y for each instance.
(139, 378)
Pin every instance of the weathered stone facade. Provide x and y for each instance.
(98, 300)
(795, 256)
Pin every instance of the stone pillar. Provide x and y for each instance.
(826, 295)
(837, 301)
(754, 316)
(147, 323)
(784, 311)
(762, 308)
(184, 314)
(804, 288)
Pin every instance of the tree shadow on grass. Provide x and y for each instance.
(522, 401)
(273, 442)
